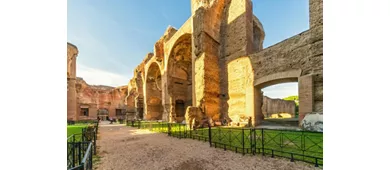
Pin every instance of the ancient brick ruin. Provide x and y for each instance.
(100, 101)
(71, 79)
(217, 56)
(90, 101)
(275, 106)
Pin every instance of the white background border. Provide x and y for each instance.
(356, 84)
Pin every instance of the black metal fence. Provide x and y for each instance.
(295, 145)
(81, 148)
(72, 122)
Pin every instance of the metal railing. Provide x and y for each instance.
(304, 146)
(81, 147)
(88, 121)
(86, 162)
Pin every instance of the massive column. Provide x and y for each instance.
(316, 52)
(206, 21)
(222, 32)
(71, 79)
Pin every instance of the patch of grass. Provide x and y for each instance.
(280, 142)
(75, 129)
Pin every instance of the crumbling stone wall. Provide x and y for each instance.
(99, 97)
(153, 91)
(71, 81)
(229, 66)
(316, 29)
(273, 106)
(301, 52)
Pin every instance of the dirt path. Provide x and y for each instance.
(123, 148)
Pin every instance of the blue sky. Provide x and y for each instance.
(113, 36)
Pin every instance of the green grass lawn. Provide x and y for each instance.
(296, 142)
(75, 129)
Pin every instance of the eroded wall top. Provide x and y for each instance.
(71, 64)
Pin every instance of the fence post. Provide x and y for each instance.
(94, 143)
(210, 136)
(97, 127)
(302, 144)
(79, 143)
(96, 132)
(82, 134)
(73, 153)
(253, 135)
(262, 141)
(243, 141)
(219, 134)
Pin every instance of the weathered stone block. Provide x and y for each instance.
(305, 85)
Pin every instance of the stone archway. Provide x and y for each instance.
(154, 108)
(139, 98)
(305, 90)
(179, 77)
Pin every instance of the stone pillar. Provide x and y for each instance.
(205, 52)
(164, 95)
(238, 26)
(305, 90)
(258, 104)
(71, 80)
(316, 51)
(316, 16)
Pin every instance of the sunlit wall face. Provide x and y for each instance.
(240, 90)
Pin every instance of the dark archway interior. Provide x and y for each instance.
(180, 109)
(180, 76)
(153, 93)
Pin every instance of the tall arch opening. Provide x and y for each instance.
(180, 77)
(153, 93)
(279, 102)
(139, 99)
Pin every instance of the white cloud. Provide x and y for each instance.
(281, 90)
(95, 76)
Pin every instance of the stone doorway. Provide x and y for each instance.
(180, 110)
(102, 114)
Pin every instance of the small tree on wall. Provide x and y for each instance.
(296, 100)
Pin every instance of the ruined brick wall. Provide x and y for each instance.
(72, 53)
(316, 29)
(241, 34)
(229, 64)
(99, 97)
(153, 91)
(272, 106)
(131, 96)
(301, 52)
(206, 23)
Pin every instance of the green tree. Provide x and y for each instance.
(296, 100)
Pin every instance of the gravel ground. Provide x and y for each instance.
(122, 148)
